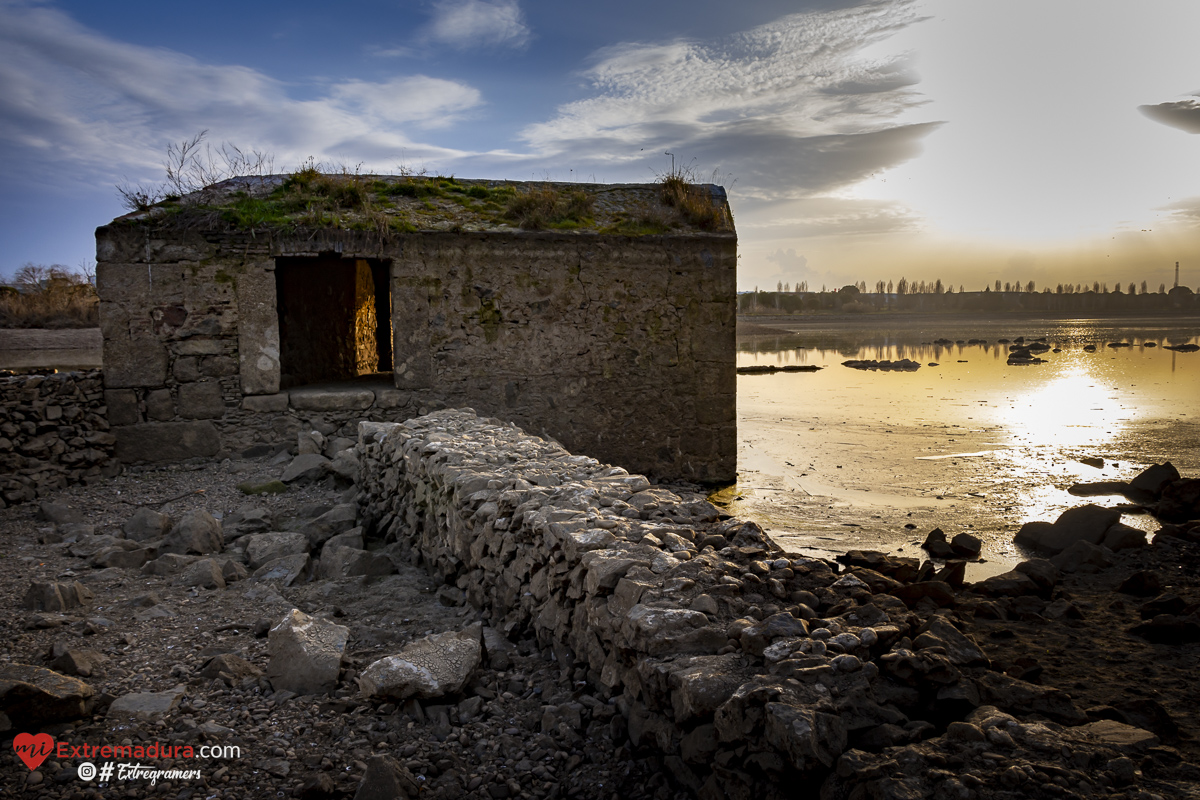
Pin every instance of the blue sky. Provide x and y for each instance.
(966, 140)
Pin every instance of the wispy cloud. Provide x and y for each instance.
(475, 23)
(76, 99)
(791, 109)
(427, 102)
(1181, 114)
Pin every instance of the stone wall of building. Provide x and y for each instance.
(619, 347)
(53, 433)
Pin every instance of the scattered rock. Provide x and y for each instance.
(34, 696)
(965, 545)
(937, 545)
(54, 596)
(306, 468)
(386, 779)
(285, 570)
(306, 653)
(431, 667)
(264, 547)
(1143, 583)
(195, 532)
(146, 525)
(345, 562)
(205, 573)
(229, 668)
(145, 705)
(1087, 523)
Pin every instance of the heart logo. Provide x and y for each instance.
(33, 750)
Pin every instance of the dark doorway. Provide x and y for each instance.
(334, 318)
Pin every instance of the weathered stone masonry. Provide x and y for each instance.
(53, 433)
(626, 578)
(621, 347)
(754, 674)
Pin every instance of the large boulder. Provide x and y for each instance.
(34, 696)
(195, 532)
(1086, 523)
(960, 648)
(246, 521)
(306, 653)
(205, 573)
(54, 596)
(338, 519)
(346, 465)
(168, 564)
(1083, 557)
(431, 667)
(285, 570)
(146, 525)
(306, 468)
(264, 547)
(1155, 477)
(352, 538)
(346, 562)
(1180, 501)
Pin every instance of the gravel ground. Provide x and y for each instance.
(522, 727)
(498, 738)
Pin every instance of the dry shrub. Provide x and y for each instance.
(548, 207)
(49, 297)
(694, 203)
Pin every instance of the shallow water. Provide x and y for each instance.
(846, 458)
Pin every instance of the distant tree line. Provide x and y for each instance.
(905, 295)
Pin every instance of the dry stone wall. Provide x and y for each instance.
(672, 609)
(750, 672)
(53, 433)
(619, 347)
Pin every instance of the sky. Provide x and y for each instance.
(966, 140)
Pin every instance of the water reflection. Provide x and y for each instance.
(979, 444)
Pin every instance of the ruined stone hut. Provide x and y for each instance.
(599, 315)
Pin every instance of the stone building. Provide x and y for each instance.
(599, 315)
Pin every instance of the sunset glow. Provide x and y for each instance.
(859, 140)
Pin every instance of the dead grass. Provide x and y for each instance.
(49, 297)
(694, 203)
(548, 207)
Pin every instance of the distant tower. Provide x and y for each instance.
(1177, 273)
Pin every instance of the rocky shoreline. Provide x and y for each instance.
(1033, 685)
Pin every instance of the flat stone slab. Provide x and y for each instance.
(316, 398)
(166, 441)
(146, 704)
(1119, 735)
(36, 696)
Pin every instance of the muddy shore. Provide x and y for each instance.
(152, 634)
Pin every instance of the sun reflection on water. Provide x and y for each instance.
(975, 443)
(1070, 410)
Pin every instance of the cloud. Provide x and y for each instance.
(789, 262)
(793, 268)
(812, 217)
(474, 23)
(428, 102)
(76, 101)
(1181, 114)
(790, 108)
(1184, 212)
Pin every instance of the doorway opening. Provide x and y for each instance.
(335, 318)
